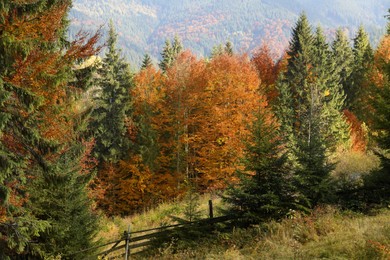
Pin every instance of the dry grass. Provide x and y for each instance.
(326, 234)
(113, 228)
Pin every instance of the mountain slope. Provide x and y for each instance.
(144, 25)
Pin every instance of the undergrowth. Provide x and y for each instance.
(325, 234)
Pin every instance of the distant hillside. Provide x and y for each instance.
(144, 25)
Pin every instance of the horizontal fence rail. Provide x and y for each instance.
(129, 242)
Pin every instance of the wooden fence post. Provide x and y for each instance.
(127, 234)
(211, 213)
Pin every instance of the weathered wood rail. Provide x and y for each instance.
(132, 243)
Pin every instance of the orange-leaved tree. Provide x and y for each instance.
(227, 97)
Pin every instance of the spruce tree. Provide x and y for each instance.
(359, 78)
(217, 50)
(309, 110)
(146, 143)
(177, 46)
(229, 48)
(342, 56)
(36, 71)
(334, 128)
(170, 53)
(222, 49)
(59, 196)
(146, 62)
(166, 56)
(112, 110)
(269, 193)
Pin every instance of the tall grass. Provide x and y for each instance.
(325, 234)
(163, 215)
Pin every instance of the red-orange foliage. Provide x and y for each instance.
(267, 70)
(180, 88)
(381, 60)
(227, 97)
(38, 69)
(358, 132)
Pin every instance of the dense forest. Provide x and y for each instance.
(83, 136)
(143, 25)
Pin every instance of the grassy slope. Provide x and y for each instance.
(326, 234)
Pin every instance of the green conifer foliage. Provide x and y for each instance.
(270, 192)
(146, 62)
(146, 141)
(359, 81)
(229, 48)
(342, 56)
(222, 49)
(309, 110)
(59, 196)
(167, 56)
(217, 50)
(112, 113)
(170, 53)
(35, 120)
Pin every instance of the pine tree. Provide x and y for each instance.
(229, 48)
(269, 193)
(146, 62)
(222, 49)
(166, 56)
(170, 53)
(309, 110)
(60, 197)
(359, 78)
(217, 51)
(334, 128)
(177, 46)
(342, 56)
(292, 83)
(113, 105)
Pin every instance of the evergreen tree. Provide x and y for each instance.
(177, 46)
(167, 56)
(170, 53)
(146, 62)
(36, 61)
(359, 81)
(146, 141)
(334, 128)
(342, 56)
(113, 105)
(222, 49)
(229, 48)
(60, 197)
(269, 193)
(309, 110)
(292, 82)
(217, 51)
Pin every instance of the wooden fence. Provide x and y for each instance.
(132, 243)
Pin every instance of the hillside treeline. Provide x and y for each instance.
(82, 136)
